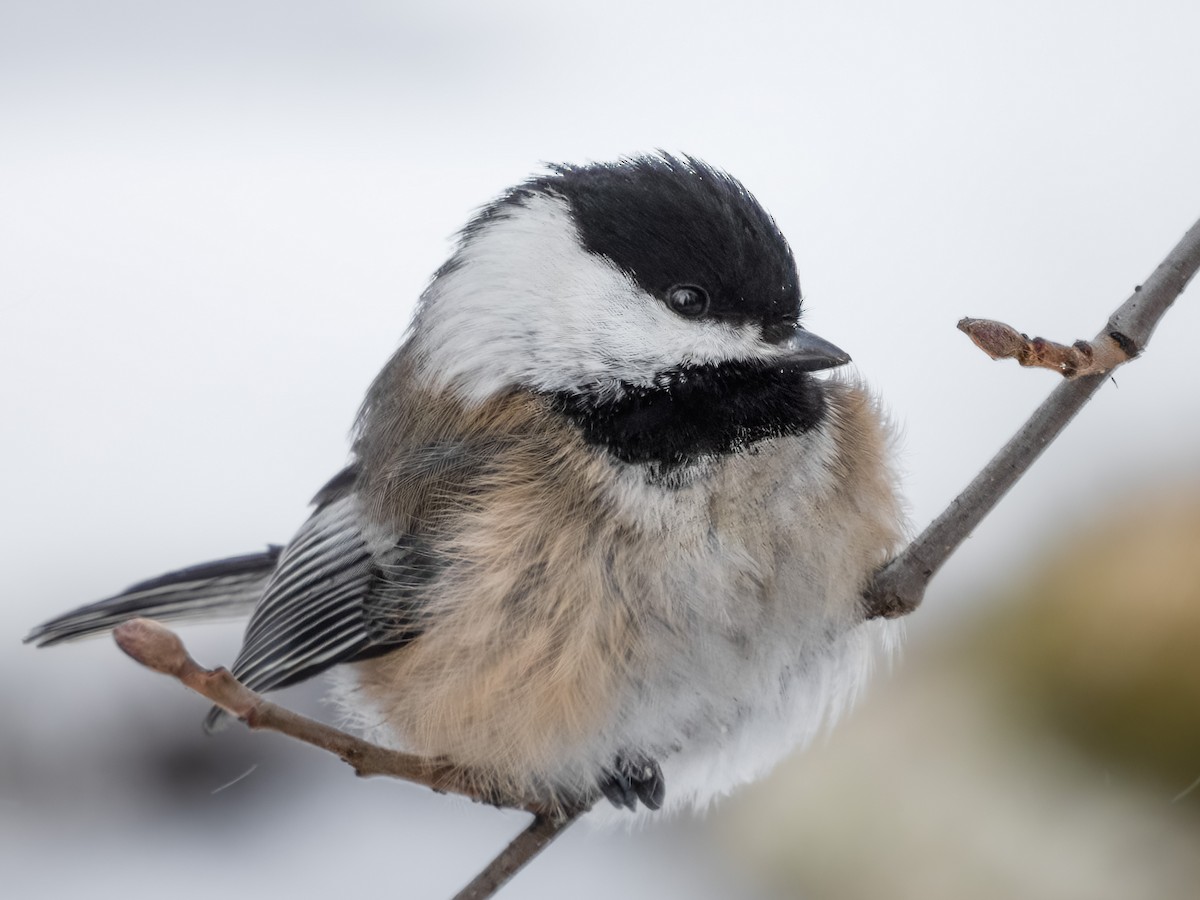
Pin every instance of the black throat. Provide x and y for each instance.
(694, 412)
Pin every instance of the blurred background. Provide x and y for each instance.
(215, 219)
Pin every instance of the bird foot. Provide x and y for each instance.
(632, 779)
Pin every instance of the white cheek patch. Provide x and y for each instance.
(523, 303)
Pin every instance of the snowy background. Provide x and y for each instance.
(215, 219)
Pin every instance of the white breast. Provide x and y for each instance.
(759, 641)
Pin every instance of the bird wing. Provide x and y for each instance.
(212, 590)
(312, 612)
(337, 596)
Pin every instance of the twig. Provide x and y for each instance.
(1000, 341)
(524, 847)
(898, 587)
(159, 648)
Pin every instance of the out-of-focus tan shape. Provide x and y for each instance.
(962, 776)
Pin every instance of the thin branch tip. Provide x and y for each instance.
(1095, 357)
(153, 645)
(159, 648)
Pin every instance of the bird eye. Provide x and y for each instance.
(688, 300)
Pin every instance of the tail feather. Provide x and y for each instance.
(212, 590)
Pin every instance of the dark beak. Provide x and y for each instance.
(811, 353)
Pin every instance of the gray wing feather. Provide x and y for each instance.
(214, 590)
(311, 615)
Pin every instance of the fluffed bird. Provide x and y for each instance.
(603, 530)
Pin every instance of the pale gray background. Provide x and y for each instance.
(215, 219)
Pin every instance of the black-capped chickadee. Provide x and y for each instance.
(603, 530)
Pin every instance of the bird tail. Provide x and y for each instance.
(225, 588)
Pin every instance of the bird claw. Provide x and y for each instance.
(632, 779)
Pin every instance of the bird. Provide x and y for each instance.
(607, 519)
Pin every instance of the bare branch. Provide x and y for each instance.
(899, 587)
(524, 847)
(1000, 341)
(159, 648)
